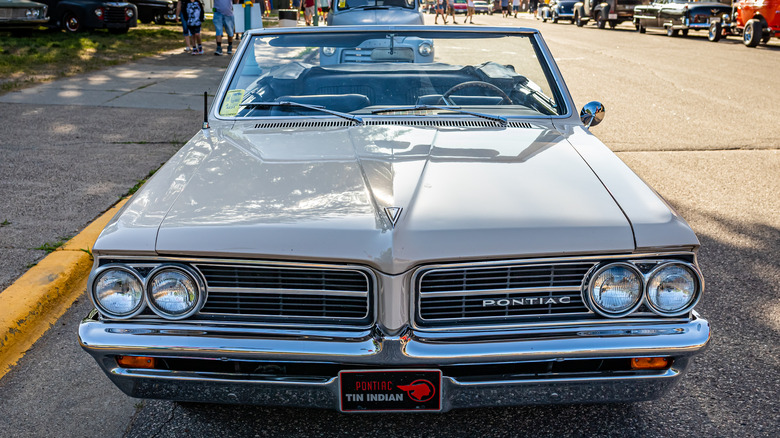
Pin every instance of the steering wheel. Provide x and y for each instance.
(506, 99)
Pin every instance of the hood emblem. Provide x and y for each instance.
(393, 213)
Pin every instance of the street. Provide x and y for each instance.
(694, 119)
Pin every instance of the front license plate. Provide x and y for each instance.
(612, 16)
(390, 390)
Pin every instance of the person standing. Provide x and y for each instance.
(440, 11)
(505, 8)
(533, 5)
(223, 18)
(308, 11)
(450, 11)
(193, 15)
(180, 16)
(515, 7)
(469, 12)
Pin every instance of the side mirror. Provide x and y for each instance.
(592, 114)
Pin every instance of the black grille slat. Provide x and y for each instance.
(313, 295)
(521, 291)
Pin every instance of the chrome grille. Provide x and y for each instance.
(323, 295)
(503, 293)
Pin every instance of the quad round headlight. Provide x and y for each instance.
(425, 49)
(615, 290)
(328, 51)
(118, 292)
(173, 292)
(673, 289)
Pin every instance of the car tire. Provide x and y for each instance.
(715, 32)
(753, 33)
(555, 18)
(767, 36)
(684, 32)
(671, 32)
(578, 20)
(601, 23)
(71, 22)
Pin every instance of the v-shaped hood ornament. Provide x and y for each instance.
(393, 213)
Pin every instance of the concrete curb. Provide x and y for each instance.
(35, 301)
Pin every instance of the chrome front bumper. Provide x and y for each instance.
(415, 349)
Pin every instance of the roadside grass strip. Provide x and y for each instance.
(41, 296)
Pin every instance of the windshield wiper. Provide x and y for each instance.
(455, 109)
(320, 108)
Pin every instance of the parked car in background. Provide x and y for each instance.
(460, 6)
(78, 15)
(395, 234)
(558, 10)
(482, 7)
(755, 20)
(678, 16)
(359, 12)
(612, 12)
(157, 11)
(17, 15)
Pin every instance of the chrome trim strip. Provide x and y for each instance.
(501, 291)
(282, 291)
(662, 375)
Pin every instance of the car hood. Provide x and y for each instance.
(331, 194)
(377, 16)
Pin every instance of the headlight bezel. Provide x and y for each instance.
(98, 273)
(200, 290)
(594, 306)
(645, 307)
(698, 288)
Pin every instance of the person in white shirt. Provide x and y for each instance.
(516, 6)
(470, 12)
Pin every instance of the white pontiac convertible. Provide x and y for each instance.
(393, 218)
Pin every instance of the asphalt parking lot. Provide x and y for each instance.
(694, 119)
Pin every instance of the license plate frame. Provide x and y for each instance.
(390, 390)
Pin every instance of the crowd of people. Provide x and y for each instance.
(445, 8)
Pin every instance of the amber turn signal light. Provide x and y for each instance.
(650, 363)
(136, 361)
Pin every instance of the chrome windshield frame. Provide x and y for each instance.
(546, 59)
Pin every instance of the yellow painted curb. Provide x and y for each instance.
(39, 297)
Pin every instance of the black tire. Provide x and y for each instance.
(767, 36)
(684, 32)
(555, 18)
(578, 20)
(671, 32)
(715, 32)
(601, 23)
(613, 24)
(71, 22)
(753, 33)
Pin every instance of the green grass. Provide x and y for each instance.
(50, 247)
(52, 54)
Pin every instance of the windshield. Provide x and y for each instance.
(357, 4)
(377, 74)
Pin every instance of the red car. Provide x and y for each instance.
(460, 6)
(756, 20)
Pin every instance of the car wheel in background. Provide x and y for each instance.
(753, 33)
(716, 31)
(578, 20)
(555, 18)
(671, 32)
(71, 22)
(601, 22)
(684, 32)
(767, 36)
